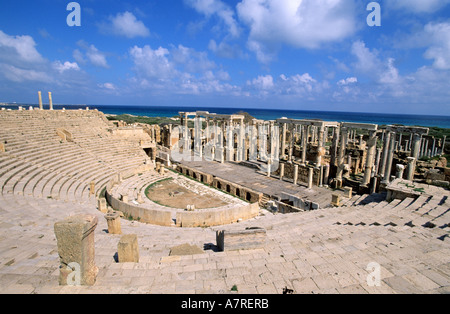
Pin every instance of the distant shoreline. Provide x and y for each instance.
(169, 112)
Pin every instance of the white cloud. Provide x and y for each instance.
(262, 82)
(347, 81)
(417, 6)
(297, 23)
(109, 86)
(221, 10)
(125, 24)
(20, 48)
(152, 64)
(16, 74)
(62, 67)
(439, 50)
(191, 60)
(92, 54)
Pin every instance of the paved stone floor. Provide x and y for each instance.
(311, 252)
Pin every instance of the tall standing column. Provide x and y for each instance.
(341, 156)
(320, 146)
(443, 145)
(390, 157)
(283, 142)
(387, 140)
(304, 143)
(334, 147)
(372, 144)
(291, 143)
(40, 100)
(50, 101)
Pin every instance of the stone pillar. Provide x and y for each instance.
(2, 148)
(40, 100)
(320, 146)
(310, 177)
(415, 151)
(127, 249)
(373, 185)
(304, 143)
(281, 171)
(113, 221)
(291, 143)
(443, 145)
(283, 142)
(326, 174)
(387, 140)
(411, 168)
(377, 163)
(400, 171)
(371, 147)
(76, 249)
(50, 101)
(341, 156)
(295, 174)
(434, 146)
(334, 147)
(269, 166)
(161, 169)
(389, 159)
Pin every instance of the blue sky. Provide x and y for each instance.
(284, 54)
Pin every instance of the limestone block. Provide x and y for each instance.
(127, 249)
(336, 200)
(348, 192)
(102, 206)
(113, 221)
(250, 238)
(76, 249)
(2, 148)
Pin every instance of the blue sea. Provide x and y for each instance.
(272, 114)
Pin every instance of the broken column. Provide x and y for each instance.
(102, 206)
(113, 221)
(76, 249)
(281, 171)
(400, 170)
(411, 168)
(127, 249)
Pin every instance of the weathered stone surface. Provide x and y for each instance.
(75, 239)
(113, 221)
(185, 249)
(127, 249)
(241, 240)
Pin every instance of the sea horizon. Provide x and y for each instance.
(266, 114)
